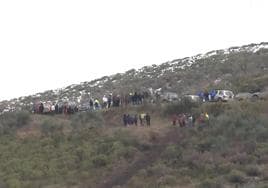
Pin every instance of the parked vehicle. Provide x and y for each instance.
(193, 98)
(84, 107)
(243, 96)
(224, 95)
(169, 96)
(260, 95)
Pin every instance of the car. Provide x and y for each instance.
(224, 95)
(169, 96)
(260, 95)
(192, 98)
(84, 107)
(243, 96)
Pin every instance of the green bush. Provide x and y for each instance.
(49, 127)
(216, 108)
(236, 177)
(210, 183)
(100, 161)
(184, 106)
(172, 154)
(253, 171)
(86, 120)
(167, 180)
(158, 170)
(13, 120)
(14, 183)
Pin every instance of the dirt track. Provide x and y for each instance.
(121, 176)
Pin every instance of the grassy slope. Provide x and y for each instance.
(95, 150)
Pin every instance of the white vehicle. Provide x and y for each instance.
(192, 98)
(169, 96)
(224, 95)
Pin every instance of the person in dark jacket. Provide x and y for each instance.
(57, 108)
(135, 119)
(125, 120)
(174, 119)
(41, 108)
(91, 104)
(148, 119)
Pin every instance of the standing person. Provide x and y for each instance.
(128, 119)
(57, 108)
(190, 120)
(183, 119)
(148, 119)
(207, 118)
(174, 119)
(135, 119)
(104, 101)
(41, 108)
(125, 120)
(201, 119)
(65, 109)
(91, 104)
(206, 95)
(141, 119)
(109, 100)
(53, 108)
(97, 104)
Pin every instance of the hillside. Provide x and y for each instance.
(242, 68)
(95, 150)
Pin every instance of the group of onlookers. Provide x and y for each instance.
(90, 104)
(141, 119)
(54, 108)
(184, 119)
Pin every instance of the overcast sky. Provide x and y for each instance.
(54, 43)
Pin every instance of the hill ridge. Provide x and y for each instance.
(178, 75)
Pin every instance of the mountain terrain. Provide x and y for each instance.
(241, 69)
(94, 149)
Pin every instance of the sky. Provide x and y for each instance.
(55, 43)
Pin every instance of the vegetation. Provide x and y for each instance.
(94, 150)
(231, 151)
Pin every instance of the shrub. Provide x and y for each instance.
(167, 180)
(14, 183)
(215, 109)
(184, 106)
(100, 161)
(49, 127)
(210, 183)
(236, 177)
(3, 184)
(22, 118)
(173, 154)
(13, 120)
(158, 170)
(185, 180)
(205, 145)
(86, 120)
(253, 171)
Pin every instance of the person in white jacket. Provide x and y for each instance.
(105, 102)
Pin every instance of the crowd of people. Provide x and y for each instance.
(207, 95)
(185, 119)
(143, 119)
(89, 104)
(108, 101)
(54, 108)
